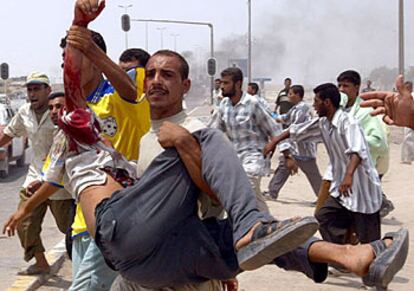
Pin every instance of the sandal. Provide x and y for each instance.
(33, 270)
(271, 240)
(388, 261)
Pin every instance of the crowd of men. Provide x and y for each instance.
(156, 200)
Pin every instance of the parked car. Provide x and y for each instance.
(14, 150)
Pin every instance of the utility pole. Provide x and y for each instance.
(401, 56)
(126, 13)
(249, 40)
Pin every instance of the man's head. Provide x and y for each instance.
(409, 86)
(132, 58)
(296, 93)
(369, 83)
(166, 82)
(287, 83)
(231, 82)
(217, 83)
(252, 88)
(38, 89)
(89, 70)
(55, 103)
(327, 99)
(349, 83)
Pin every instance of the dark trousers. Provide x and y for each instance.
(30, 228)
(282, 173)
(151, 232)
(335, 221)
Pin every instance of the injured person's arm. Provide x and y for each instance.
(172, 135)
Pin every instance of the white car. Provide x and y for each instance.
(14, 150)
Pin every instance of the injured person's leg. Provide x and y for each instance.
(151, 233)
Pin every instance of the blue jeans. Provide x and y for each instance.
(89, 269)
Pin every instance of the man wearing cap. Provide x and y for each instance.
(32, 120)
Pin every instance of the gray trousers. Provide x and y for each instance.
(151, 232)
(281, 175)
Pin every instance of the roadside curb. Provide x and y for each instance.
(55, 257)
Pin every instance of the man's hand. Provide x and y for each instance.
(397, 107)
(81, 38)
(269, 149)
(291, 165)
(11, 224)
(230, 285)
(33, 187)
(87, 10)
(346, 186)
(170, 134)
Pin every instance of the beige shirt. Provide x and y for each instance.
(149, 149)
(40, 135)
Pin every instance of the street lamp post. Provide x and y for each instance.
(126, 12)
(175, 35)
(210, 26)
(401, 56)
(161, 30)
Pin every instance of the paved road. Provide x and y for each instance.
(11, 253)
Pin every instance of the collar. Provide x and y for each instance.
(97, 94)
(335, 119)
(177, 119)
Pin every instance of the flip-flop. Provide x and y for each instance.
(388, 261)
(272, 240)
(33, 270)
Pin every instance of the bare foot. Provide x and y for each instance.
(245, 240)
(358, 258)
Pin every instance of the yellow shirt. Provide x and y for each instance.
(122, 122)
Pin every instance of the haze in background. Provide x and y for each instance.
(309, 41)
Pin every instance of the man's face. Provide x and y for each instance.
(369, 83)
(54, 107)
(37, 95)
(228, 87)
(126, 66)
(217, 84)
(349, 89)
(288, 82)
(320, 106)
(409, 87)
(250, 90)
(294, 98)
(164, 86)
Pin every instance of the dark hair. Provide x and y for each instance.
(329, 91)
(350, 76)
(217, 80)
(235, 73)
(56, 95)
(184, 68)
(288, 79)
(298, 90)
(135, 54)
(408, 83)
(96, 37)
(254, 86)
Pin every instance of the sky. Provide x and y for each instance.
(310, 41)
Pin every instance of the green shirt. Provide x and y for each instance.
(374, 130)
